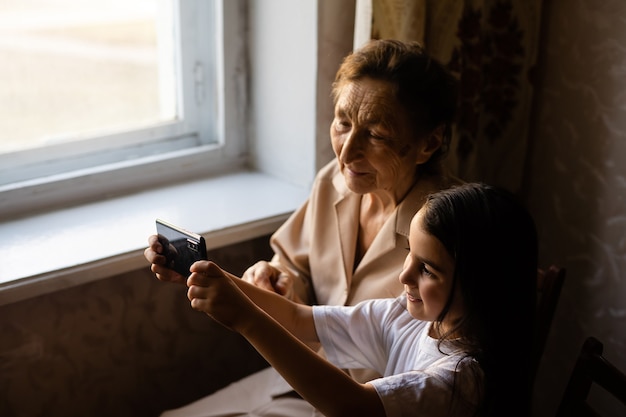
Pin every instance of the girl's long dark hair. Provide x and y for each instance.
(493, 240)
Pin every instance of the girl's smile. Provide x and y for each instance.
(412, 299)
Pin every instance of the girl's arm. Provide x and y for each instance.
(277, 328)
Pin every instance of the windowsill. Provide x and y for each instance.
(64, 248)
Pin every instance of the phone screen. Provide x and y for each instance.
(181, 247)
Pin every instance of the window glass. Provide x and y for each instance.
(75, 69)
(103, 98)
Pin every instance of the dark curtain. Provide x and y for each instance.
(491, 45)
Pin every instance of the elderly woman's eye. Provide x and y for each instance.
(342, 124)
(377, 136)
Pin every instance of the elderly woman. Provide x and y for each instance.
(394, 106)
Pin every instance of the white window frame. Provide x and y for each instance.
(196, 146)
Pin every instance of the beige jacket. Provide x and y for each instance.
(317, 243)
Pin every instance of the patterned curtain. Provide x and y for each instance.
(491, 45)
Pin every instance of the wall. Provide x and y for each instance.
(283, 70)
(335, 28)
(578, 185)
(128, 345)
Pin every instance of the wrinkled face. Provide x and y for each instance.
(373, 138)
(427, 276)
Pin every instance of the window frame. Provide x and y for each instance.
(197, 146)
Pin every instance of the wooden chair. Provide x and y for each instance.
(549, 284)
(591, 367)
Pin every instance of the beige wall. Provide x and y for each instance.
(578, 184)
(128, 345)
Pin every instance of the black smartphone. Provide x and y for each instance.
(181, 247)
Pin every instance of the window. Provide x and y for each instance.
(106, 98)
(80, 243)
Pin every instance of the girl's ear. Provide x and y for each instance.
(430, 144)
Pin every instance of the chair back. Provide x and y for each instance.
(591, 367)
(549, 284)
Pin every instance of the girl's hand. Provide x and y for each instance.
(154, 255)
(213, 291)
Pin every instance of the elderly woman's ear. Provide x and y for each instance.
(429, 145)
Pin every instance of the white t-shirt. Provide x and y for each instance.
(418, 379)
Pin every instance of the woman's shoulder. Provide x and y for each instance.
(328, 171)
(330, 179)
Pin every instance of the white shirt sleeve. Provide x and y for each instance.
(424, 393)
(354, 336)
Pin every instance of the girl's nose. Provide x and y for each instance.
(402, 277)
(407, 275)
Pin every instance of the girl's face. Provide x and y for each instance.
(373, 138)
(428, 275)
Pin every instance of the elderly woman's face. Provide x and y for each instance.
(373, 139)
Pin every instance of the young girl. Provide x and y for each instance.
(456, 343)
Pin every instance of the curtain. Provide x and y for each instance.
(492, 47)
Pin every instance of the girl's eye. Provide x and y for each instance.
(425, 270)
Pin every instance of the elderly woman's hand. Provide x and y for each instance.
(154, 255)
(263, 275)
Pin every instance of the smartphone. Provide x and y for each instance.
(181, 247)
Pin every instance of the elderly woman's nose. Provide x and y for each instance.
(352, 147)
